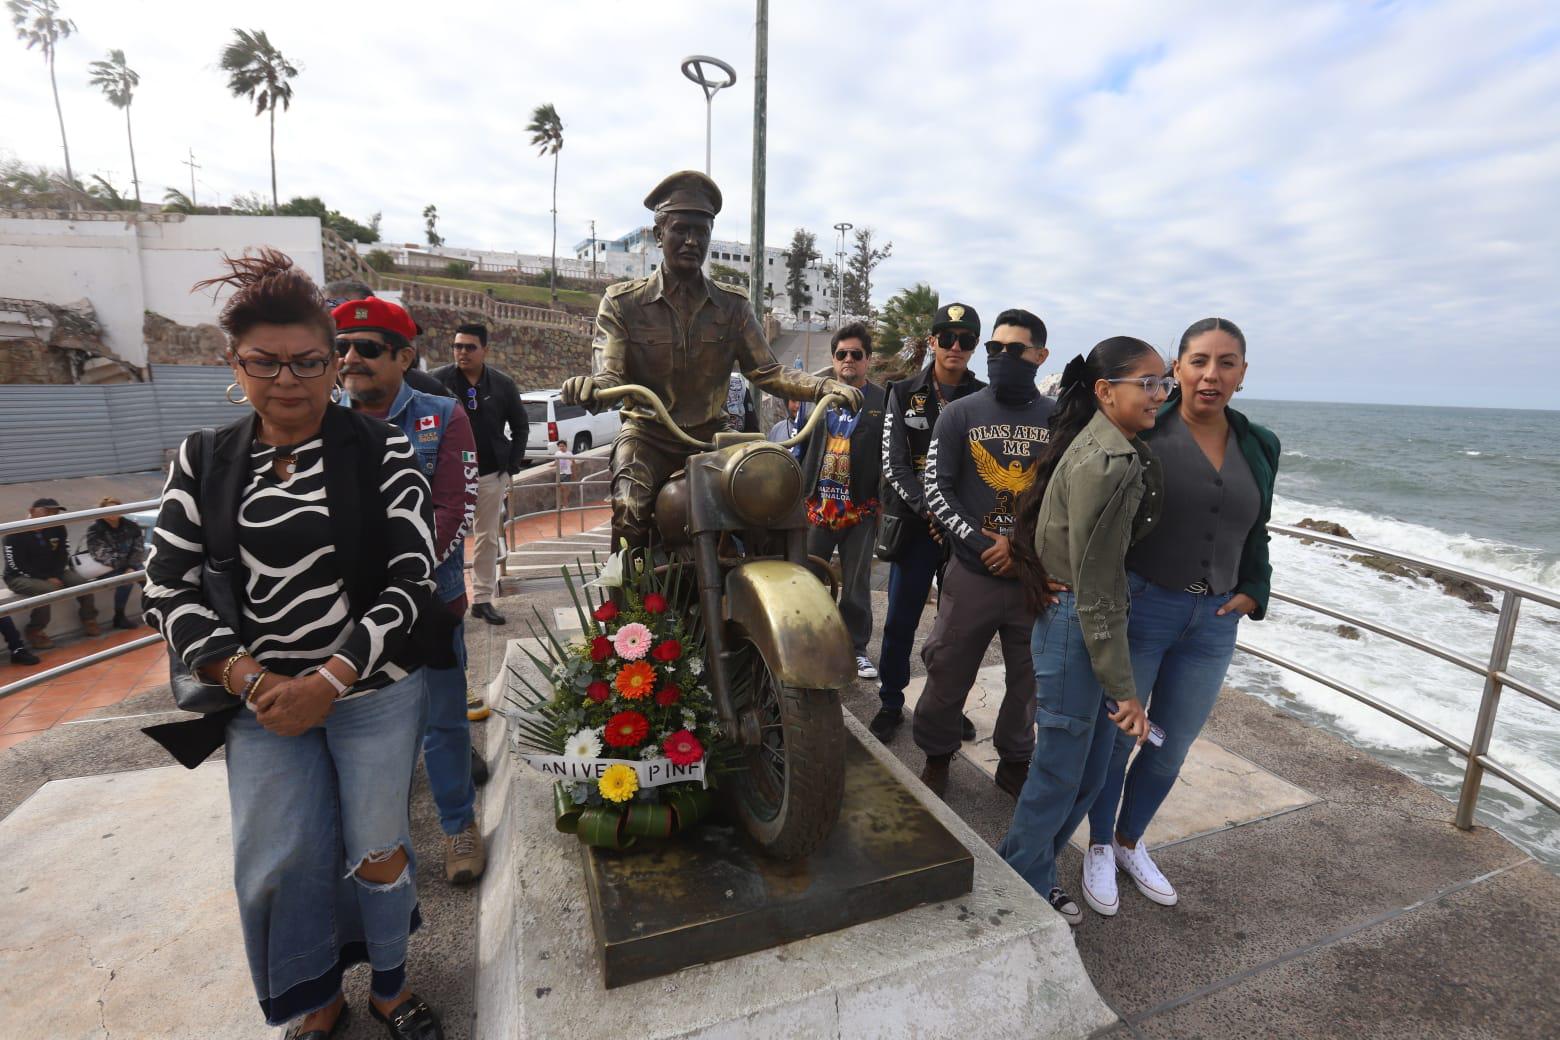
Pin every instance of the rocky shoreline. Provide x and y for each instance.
(1476, 596)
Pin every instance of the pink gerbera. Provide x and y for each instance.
(632, 641)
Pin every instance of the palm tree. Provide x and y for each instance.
(38, 24)
(546, 131)
(906, 324)
(118, 82)
(431, 223)
(175, 201)
(257, 70)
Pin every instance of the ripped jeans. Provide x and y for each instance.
(307, 811)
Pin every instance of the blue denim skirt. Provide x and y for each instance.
(307, 811)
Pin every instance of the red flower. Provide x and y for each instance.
(598, 691)
(668, 695)
(600, 648)
(655, 603)
(670, 650)
(606, 612)
(626, 729)
(683, 748)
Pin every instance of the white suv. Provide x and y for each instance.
(552, 421)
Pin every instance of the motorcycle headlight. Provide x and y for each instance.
(762, 483)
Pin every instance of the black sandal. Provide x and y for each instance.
(411, 1019)
(321, 1034)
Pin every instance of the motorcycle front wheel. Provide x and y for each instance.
(788, 796)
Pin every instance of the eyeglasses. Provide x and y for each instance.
(1150, 384)
(368, 349)
(849, 355)
(471, 398)
(270, 368)
(466, 346)
(965, 341)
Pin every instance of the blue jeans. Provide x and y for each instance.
(307, 811)
(121, 592)
(1072, 747)
(1181, 650)
(909, 583)
(447, 742)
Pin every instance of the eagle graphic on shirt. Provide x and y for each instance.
(1008, 482)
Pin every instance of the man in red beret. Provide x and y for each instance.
(373, 339)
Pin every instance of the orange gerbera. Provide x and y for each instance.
(635, 680)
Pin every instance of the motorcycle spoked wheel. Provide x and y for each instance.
(788, 797)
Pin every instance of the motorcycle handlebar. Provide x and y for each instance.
(606, 395)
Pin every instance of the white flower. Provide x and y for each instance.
(584, 745)
(696, 665)
(611, 574)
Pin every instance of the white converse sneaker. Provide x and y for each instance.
(1145, 875)
(865, 669)
(1099, 881)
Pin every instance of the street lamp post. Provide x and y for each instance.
(693, 68)
(839, 273)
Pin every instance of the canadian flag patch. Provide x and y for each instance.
(428, 422)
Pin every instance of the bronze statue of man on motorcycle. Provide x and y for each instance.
(678, 333)
(727, 506)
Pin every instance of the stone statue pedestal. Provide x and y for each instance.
(996, 955)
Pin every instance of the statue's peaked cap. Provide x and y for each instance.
(685, 191)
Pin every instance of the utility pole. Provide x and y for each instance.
(760, 152)
(839, 273)
(593, 250)
(193, 165)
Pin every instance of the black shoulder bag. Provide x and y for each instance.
(216, 588)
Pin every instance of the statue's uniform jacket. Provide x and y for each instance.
(641, 338)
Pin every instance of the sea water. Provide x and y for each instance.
(1475, 488)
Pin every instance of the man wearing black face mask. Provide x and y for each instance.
(982, 457)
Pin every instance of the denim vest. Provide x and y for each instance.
(409, 407)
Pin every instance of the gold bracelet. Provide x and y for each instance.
(227, 669)
(254, 686)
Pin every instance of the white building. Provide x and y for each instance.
(636, 255)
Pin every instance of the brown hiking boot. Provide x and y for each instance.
(91, 628)
(38, 639)
(464, 858)
(1011, 774)
(935, 773)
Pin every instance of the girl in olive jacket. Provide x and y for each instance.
(1096, 492)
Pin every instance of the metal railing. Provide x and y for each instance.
(510, 518)
(1497, 678)
(9, 607)
(1476, 750)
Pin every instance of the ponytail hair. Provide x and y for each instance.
(269, 289)
(1075, 407)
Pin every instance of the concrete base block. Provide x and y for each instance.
(119, 915)
(998, 962)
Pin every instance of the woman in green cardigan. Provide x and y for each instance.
(1201, 570)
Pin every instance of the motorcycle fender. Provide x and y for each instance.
(789, 616)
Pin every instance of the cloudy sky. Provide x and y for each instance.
(1372, 191)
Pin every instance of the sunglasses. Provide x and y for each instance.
(458, 347)
(368, 349)
(849, 355)
(965, 341)
(471, 397)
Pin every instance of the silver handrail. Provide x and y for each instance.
(1496, 677)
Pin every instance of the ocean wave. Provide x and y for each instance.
(1471, 552)
(1473, 454)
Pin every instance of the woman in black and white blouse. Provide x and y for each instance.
(332, 525)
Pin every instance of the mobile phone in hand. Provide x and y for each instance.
(1156, 736)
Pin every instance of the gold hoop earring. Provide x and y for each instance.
(242, 398)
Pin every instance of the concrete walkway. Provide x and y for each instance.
(1360, 912)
